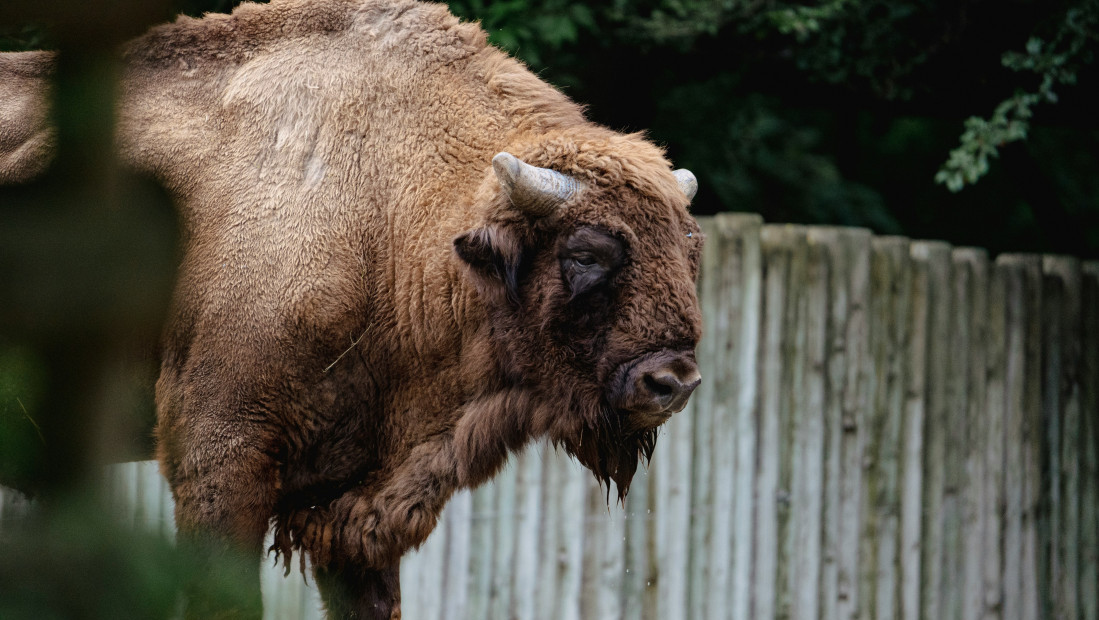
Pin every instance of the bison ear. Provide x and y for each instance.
(494, 256)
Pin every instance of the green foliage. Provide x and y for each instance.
(805, 20)
(1056, 62)
(982, 139)
(778, 74)
(73, 558)
(22, 382)
(528, 31)
(677, 23)
(24, 37)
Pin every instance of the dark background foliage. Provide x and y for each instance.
(844, 111)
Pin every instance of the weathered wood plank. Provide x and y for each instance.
(890, 291)
(670, 501)
(970, 336)
(528, 521)
(481, 539)
(724, 458)
(948, 404)
(613, 569)
(571, 537)
(1036, 583)
(993, 445)
(745, 352)
(1022, 448)
(1061, 419)
(1089, 443)
(604, 556)
(847, 255)
(412, 567)
(592, 595)
(546, 595)
(931, 260)
(637, 514)
(457, 520)
(913, 434)
(783, 254)
(1014, 477)
(711, 357)
(426, 590)
(651, 594)
(503, 541)
(807, 471)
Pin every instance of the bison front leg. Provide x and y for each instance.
(375, 524)
(356, 542)
(353, 591)
(225, 490)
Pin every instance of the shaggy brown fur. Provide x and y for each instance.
(26, 142)
(363, 322)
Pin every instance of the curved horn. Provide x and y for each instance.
(688, 184)
(536, 191)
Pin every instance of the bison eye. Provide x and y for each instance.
(585, 260)
(588, 256)
(582, 273)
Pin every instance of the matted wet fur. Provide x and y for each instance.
(364, 322)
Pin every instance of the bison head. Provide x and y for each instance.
(587, 262)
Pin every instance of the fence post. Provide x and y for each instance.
(670, 502)
(889, 305)
(1089, 442)
(783, 254)
(931, 262)
(546, 595)
(725, 433)
(709, 421)
(746, 429)
(528, 522)
(1061, 420)
(969, 342)
(637, 519)
(457, 520)
(846, 252)
(481, 538)
(1022, 460)
(912, 435)
(570, 517)
(799, 350)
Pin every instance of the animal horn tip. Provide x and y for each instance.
(506, 165)
(688, 184)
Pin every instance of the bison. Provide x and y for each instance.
(404, 256)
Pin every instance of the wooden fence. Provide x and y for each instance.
(886, 429)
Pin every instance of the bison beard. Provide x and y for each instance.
(405, 256)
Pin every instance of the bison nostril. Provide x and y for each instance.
(658, 384)
(661, 386)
